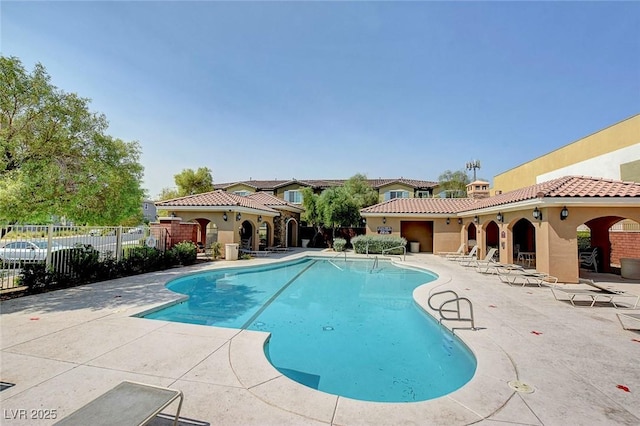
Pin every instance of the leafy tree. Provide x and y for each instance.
(55, 158)
(311, 214)
(191, 182)
(454, 184)
(360, 191)
(338, 207)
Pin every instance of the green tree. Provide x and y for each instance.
(311, 214)
(338, 207)
(454, 184)
(191, 182)
(55, 158)
(362, 193)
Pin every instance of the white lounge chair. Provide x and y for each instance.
(459, 252)
(470, 255)
(474, 261)
(629, 317)
(604, 295)
(516, 275)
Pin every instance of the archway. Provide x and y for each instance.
(264, 235)
(292, 232)
(492, 236)
(246, 235)
(472, 232)
(613, 237)
(524, 242)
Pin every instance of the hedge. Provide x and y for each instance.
(375, 244)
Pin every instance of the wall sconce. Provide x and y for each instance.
(238, 216)
(224, 216)
(384, 220)
(476, 219)
(564, 213)
(448, 221)
(500, 217)
(260, 218)
(537, 214)
(459, 221)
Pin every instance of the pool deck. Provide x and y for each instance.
(65, 348)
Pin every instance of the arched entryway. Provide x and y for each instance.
(492, 237)
(613, 237)
(472, 235)
(524, 243)
(264, 235)
(291, 232)
(247, 240)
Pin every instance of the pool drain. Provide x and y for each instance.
(521, 387)
(327, 328)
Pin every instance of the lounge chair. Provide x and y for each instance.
(629, 317)
(255, 253)
(474, 261)
(590, 259)
(277, 248)
(129, 403)
(517, 275)
(600, 294)
(459, 252)
(471, 255)
(493, 267)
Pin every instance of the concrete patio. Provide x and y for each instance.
(63, 349)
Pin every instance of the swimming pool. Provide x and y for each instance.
(345, 327)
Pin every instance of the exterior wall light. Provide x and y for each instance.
(459, 221)
(537, 214)
(476, 219)
(564, 213)
(260, 218)
(384, 220)
(224, 216)
(500, 217)
(448, 221)
(238, 216)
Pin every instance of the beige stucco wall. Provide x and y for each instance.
(395, 187)
(623, 135)
(240, 187)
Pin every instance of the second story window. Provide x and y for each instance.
(243, 193)
(423, 194)
(294, 197)
(390, 195)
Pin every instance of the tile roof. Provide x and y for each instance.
(270, 185)
(272, 201)
(218, 198)
(564, 187)
(420, 205)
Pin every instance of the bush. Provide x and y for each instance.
(584, 240)
(375, 244)
(186, 252)
(339, 244)
(216, 250)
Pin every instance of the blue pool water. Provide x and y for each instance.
(340, 326)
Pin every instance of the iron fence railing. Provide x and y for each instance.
(23, 244)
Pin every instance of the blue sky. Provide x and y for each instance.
(312, 90)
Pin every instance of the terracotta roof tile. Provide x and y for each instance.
(270, 185)
(272, 200)
(568, 186)
(420, 205)
(218, 198)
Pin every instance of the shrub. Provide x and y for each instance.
(584, 240)
(186, 252)
(339, 244)
(216, 250)
(375, 244)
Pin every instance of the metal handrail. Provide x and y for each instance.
(345, 260)
(375, 264)
(457, 311)
(404, 251)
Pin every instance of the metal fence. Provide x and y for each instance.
(24, 244)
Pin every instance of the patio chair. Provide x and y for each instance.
(590, 259)
(600, 294)
(129, 403)
(459, 252)
(474, 261)
(517, 275)
(635, 318)
(462, 257)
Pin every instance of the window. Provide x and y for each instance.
(294, 197)
(390, 195)
(423, 194)
(243, 193)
